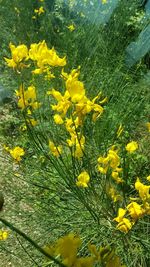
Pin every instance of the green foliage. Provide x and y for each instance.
(50, 190)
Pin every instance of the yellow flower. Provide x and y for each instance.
(58, 119)
(56, 150)
(125, 225)
(143, 190)
(72, 125)
(79, 147)
(121, 213)
(77, 141)
(146, 207)
(84, 262)
(18, 53)
(39, 11)
(27, 98)
(148, 178)
(102, 169)
(83, 179)
(113, 158)
(76, 89)
(71, 27)
(132, 146)
(38, 71)
(30, 94)
(98, 110)
(57, 95)
(111, 191)
(104, 1)
(106, 254)
(76, 92)
(50, 249)
(44, 57)
(93, 250)
(104, 100)
(104, 162)
(85, 106)
(3, 235)
(53, 59)
(32, 122)
(135, 210)
(115, 176)
(114, 262)
(6, 148)
(63, 102)
(148, 126)
(67, 248)
(17, 153)
(48, 74)
(34, 105)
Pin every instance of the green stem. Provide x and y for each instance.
(32, 242)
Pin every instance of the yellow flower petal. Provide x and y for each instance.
(132, 146)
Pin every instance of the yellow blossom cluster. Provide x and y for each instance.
(77, 141)
(16, 153)
(134, 210)
(67, 248)
(27, 98)
(56, 150)
(30, 121)
(113, 193)
(111, 162)
(19, 54)
(74, 101)
(144, 195)
(39, 53)
(71, 107)
(39, 11)
(45, 58)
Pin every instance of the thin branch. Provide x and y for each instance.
(32, 242)
(29, 255)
